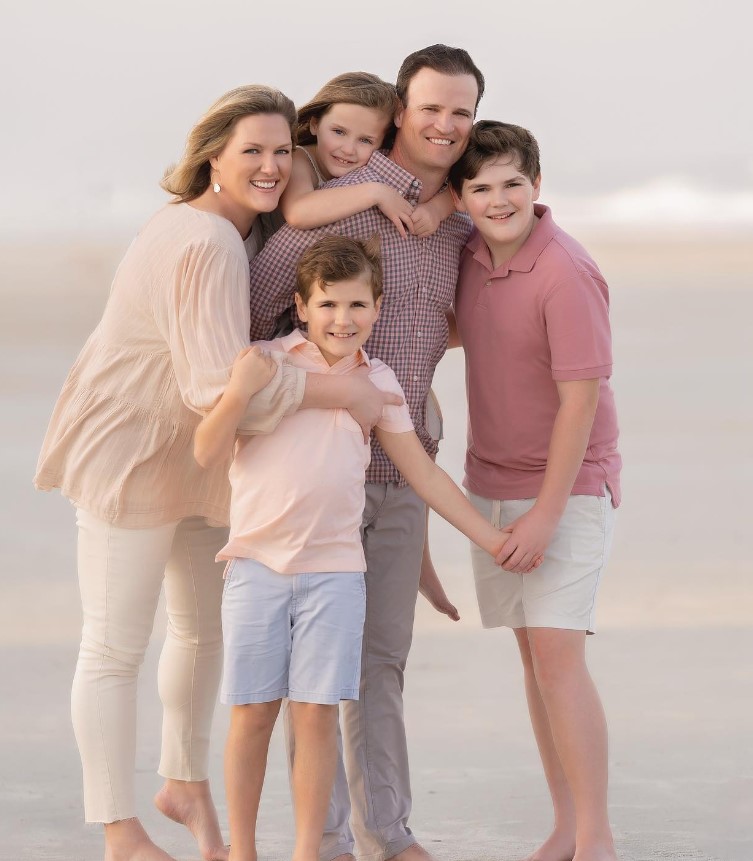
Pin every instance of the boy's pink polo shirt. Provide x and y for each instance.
(298, 493)
(540, 318)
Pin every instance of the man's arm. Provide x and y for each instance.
(531, 533)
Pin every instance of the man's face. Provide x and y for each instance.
(434, 125)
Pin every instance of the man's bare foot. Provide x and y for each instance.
(559, 846)
(190, 803)
(126, 840)
(416, 852)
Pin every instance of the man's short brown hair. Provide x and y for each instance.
(441, 58)
(338, 258)
(490, 139)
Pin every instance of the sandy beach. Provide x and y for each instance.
(672, 656)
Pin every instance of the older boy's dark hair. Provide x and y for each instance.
(441, 58)
(490, 139)
(339, 258)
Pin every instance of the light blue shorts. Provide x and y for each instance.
(291, 635)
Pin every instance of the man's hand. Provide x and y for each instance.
(367, 402)
(430, 586)
(529, 537)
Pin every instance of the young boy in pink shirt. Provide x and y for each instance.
(294, 602)
(542, 463)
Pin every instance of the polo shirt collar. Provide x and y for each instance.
(524, 258)
(296, 341)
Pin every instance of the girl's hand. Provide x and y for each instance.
(425, 220)
(252, 370)
(395, 207)
(529, 536)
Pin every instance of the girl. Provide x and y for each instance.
(338, 130)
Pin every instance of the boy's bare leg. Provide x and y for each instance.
(126, 840)
(190, 803)
(579, 732)
(560, 845)
(315, 728)
(245, 764)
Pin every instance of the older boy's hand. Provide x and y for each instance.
(529, 537)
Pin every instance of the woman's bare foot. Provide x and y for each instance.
(126, 840)
(559, 846)
(190, 803)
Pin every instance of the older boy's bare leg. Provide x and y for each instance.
(579, 732)
(315, 728)
(560, 845)
(245, 764)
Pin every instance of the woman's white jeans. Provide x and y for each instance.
(120, 575)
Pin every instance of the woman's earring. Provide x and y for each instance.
(216, 187)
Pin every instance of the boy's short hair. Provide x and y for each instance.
(490, 139)
(441, 58)
(339, 258)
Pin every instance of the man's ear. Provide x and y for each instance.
(300, 307)
(459, 205)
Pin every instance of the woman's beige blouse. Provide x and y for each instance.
(120, 440)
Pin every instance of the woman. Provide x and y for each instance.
(119, 445)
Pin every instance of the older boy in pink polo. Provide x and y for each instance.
(542, 462)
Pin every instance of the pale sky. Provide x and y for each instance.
(641, 109)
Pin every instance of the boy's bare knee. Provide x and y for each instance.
(314, 713)
(256, 717)
(556, 656)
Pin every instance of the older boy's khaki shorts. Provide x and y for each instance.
(561, 592)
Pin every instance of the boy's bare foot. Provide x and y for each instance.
(416, 852)
(126, 840)
(557, 847)
(600, 852)
(190, 803)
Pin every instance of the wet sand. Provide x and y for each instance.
(672, 657)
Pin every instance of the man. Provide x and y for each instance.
(439, 89)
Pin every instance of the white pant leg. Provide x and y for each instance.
(120, 577)
(190, 665)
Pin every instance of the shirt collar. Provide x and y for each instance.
(296, 341)
(525, 257)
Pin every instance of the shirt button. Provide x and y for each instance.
(415, 378)
(415, 183)
(419, 334)
(488, 284)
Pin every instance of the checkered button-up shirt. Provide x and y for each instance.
(419, 286)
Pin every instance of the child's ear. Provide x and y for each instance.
(537, 187)
(378, 306)
(300, 307)
(314, 125)
(459, 205)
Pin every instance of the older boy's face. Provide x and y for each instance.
(500, 201)
(434, 125)
(339, 316)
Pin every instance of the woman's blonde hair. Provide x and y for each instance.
(190, 177)
(350, 88)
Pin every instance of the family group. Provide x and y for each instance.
(252, 425)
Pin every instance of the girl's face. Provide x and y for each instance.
(346, 136)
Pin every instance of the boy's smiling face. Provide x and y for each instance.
(499, 200)
(339, 316)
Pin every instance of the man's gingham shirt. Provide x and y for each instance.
(420, 275)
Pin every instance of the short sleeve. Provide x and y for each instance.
(395, 419)
(576, 313)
